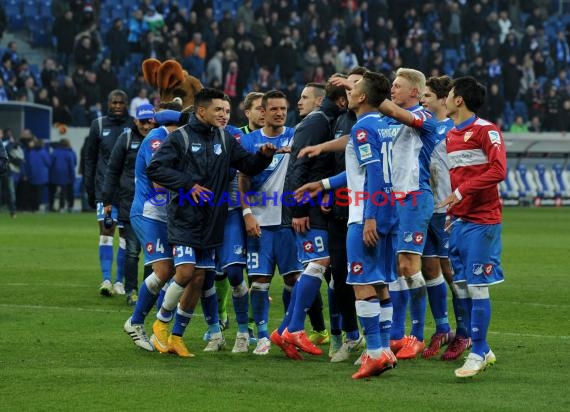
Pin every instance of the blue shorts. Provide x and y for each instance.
(370, 265)
(200, 258)
(414, 214)
(232, 251)
(437, 243)
(312, 245)
(275, 247)
(475, 252)
(114, 213)
(153, 237)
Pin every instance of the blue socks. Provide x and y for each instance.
(210, 303)
(121, 252)
(181, 320)
(418, 302)
(437, 295)
(106, 256)
(386, 314)
(260, 306)
(400, 295)
(286, 297)
(307, 288)
(288, 310)
(368, 312)
(480, 319)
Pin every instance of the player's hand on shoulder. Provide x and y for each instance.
(268, 149)
(284, 149)
(310, 151)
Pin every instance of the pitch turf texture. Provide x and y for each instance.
(63, 345)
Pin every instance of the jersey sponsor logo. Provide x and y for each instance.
(494, 137)
(106, 132)
(418, 238)
(149, 247)
(155, 144)
(218, 149)
(361, 136)
(365, 151)
(467, 136)
(308, 246)
(135, 145)
(488, 269)
(357, 268)
(196, 147)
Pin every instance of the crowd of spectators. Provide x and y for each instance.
(41, 175)
(513, 46)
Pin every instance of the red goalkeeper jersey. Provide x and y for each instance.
(477, 164)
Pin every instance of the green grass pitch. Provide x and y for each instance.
(62, 346)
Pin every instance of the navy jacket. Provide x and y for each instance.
(315, 128)
(98, 147)
(120, 177)
(62, 170)
(206, 159)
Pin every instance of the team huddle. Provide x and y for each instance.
(414, 141)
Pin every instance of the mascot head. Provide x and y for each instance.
(171, 81)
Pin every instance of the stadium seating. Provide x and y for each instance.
(525, 181)
(509, 188)
(544, 182)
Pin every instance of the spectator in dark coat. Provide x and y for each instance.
(62, 175)
(117, 42)
(85, 54)
(64, 29)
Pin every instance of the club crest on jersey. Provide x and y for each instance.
(408, 237)
(218, 149)
(467, 136)
(494, 137)
(418, 238)
(238, 250)
(308, 246)
(155, 144)
(477, 269)
(196, 147)
(361, 136)
(356, 268)
(149, 247)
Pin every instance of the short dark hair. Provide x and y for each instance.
(333, 92)
(440, 85)
(272, 94)
(118, 92)
(205, 96)
(173, 105)
(376, 86)
(358, 70)
(472, 92)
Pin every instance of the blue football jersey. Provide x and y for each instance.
(439, 166)
(370, 141)
(267, 186)
(412, 152)
(147, 202)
